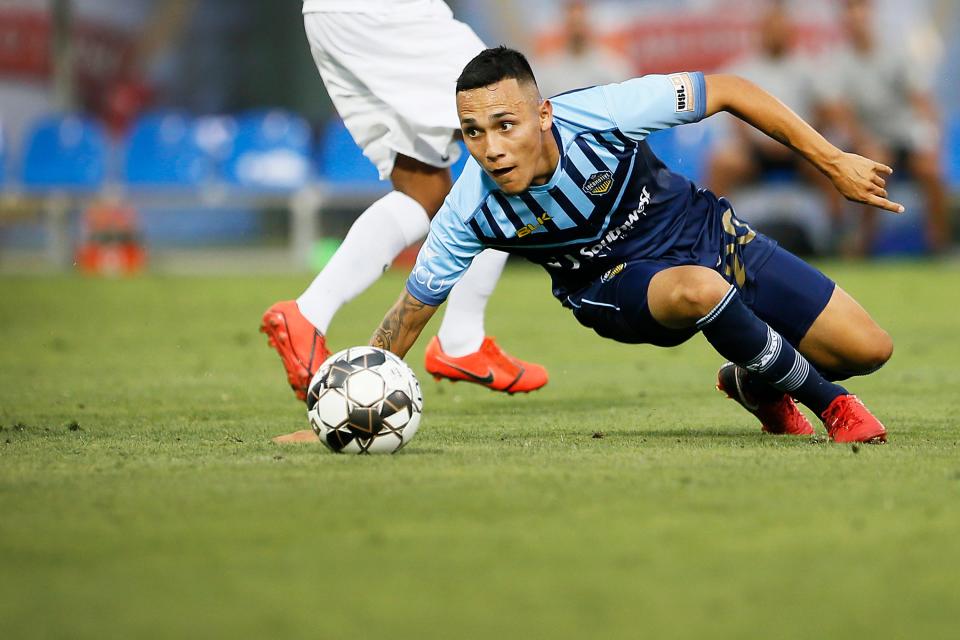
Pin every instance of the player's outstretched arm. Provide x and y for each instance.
(402, 325)
(859, 179)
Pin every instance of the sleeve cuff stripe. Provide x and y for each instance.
(423, 297)
(701, 95)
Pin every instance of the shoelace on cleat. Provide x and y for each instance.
(845, 417)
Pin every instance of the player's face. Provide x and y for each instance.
(507, 130)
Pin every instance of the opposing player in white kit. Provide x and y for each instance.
(390, 67)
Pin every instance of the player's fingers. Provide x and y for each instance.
(883, 169)
(877, 180)
(883, 203)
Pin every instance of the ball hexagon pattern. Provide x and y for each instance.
(364, 400)
(331, 408)
(365, 387)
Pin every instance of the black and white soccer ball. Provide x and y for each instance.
(364, 400)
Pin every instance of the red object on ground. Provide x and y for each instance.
(111, 243)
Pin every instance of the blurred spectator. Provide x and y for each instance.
(743, 154)
(92, 56)
(581, 62)
(881, 106)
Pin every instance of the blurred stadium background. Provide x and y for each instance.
(141, 496)
(182, 135)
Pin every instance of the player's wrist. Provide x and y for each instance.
(829, 160)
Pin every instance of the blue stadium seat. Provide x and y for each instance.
(163, 151)
(216, 135)
(67, 152)
(270, 152)
(341, 161)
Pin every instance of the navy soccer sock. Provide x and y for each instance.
(741, 337)
(758, 388)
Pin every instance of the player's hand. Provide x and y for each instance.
(861, 179)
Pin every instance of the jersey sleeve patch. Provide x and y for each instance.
(684, 94)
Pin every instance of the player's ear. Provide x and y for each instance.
(546, 115)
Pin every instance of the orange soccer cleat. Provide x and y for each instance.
(779, 416)
(488, 366)
(301, 347)
(848, 420)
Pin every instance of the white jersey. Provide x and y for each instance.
(415, 7)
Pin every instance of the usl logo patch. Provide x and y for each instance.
(598, 183)
(683, 91)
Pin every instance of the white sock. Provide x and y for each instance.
(387, 227)
(461, 331)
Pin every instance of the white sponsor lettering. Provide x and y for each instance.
(622, 230)
(423, 276)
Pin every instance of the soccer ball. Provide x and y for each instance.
(364, 400)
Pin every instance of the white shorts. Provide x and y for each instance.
(392, 78)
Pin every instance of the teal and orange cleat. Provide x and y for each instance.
(778, 415)
(848, 420)
(301, 347)
(489, 366)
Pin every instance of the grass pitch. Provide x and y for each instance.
(140, 495)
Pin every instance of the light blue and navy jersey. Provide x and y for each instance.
(610, 199)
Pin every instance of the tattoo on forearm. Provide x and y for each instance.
(383, 336)
(389, 330)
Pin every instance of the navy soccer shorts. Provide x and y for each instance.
(783, 290)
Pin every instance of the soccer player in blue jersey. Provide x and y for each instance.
(641, 254)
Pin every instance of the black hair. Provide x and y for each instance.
(493, 65)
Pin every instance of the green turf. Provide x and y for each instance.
(168, 512)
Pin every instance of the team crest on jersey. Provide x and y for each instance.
(613, 273)
(598, 183)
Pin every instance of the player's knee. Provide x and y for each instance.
(881, 351)
(697, 294)
(874, 352)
